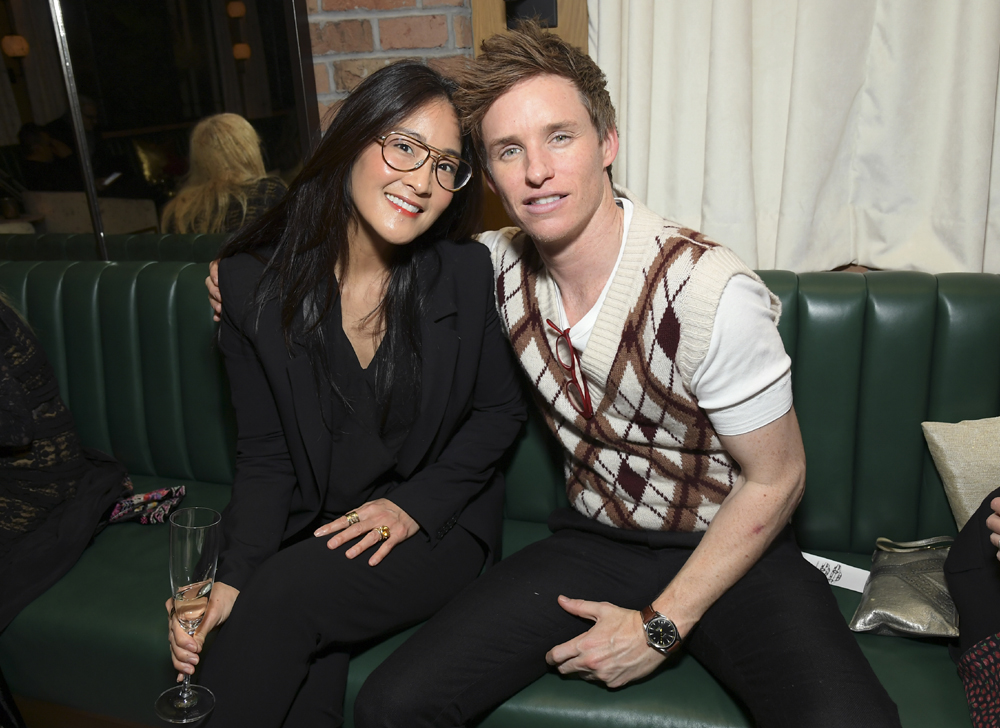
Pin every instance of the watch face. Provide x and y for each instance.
(661, 633)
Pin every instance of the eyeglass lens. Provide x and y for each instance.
(574, 392)
(404, 153)
(563, 346)
(575, 397)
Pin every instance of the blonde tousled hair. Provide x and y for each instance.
(225, 160)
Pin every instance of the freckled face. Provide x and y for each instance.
(546, 160)
(396, 207)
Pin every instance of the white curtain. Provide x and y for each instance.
(42, 67)
(809, 134)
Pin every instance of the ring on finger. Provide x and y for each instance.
(353, 518)
(382, 531)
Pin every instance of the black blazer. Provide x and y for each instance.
(471, 410)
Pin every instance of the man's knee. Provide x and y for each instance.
(387, 703)
(861, 705)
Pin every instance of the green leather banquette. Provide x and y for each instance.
(82, 246)
(132, 345)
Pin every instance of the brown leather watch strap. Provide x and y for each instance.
(647, 613)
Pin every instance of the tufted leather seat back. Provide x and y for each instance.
(873, 356)
(200, 248)
(133, 349)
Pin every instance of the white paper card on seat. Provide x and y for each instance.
(838, 574)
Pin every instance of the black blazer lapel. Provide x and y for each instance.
(439, 355)
(309, 418)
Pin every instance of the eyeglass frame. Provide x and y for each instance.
(433, 153)
(586, 406)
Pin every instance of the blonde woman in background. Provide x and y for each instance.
(227, 185)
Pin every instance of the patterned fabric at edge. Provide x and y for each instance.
(979, 669)
(53, 491)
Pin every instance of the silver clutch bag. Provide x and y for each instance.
(906, 593)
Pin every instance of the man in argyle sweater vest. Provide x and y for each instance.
(655, 360)
(649, 457)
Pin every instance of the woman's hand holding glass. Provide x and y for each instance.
(185, 648)
(368, 520)
(195, 537)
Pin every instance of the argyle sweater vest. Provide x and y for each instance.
(649, 457)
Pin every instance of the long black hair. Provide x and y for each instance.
(304, 238)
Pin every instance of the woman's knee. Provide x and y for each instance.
(280, 586)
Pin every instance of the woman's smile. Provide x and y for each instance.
(405, 206)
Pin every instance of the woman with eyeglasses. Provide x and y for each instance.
(374, 393)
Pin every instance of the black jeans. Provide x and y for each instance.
(281, 658)
(776, 639)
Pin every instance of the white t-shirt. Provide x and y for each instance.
(745, 379)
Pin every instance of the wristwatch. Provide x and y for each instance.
(661, 633)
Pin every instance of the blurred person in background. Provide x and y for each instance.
(49, 165)
(116, 173)
(227, 185)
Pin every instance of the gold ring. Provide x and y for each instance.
(353, 518)
(383, 532)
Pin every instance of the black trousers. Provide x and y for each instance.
(281, 658)
(776, 639)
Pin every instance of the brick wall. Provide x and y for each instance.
(352, 38)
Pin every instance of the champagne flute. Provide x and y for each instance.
(195, 536)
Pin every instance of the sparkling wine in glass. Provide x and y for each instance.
(195, 536)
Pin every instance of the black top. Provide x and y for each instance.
(376, 436)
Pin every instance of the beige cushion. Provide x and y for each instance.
(16, 227)
(69, 212)
(967, 456)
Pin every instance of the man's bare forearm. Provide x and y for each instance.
(740, 533)
(757, 509)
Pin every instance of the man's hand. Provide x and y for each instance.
(184, 648)
(212, 284)
(993, 523)
(613, 651)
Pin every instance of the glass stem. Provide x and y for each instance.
(186, 695)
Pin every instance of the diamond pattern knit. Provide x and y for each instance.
(649, 458)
